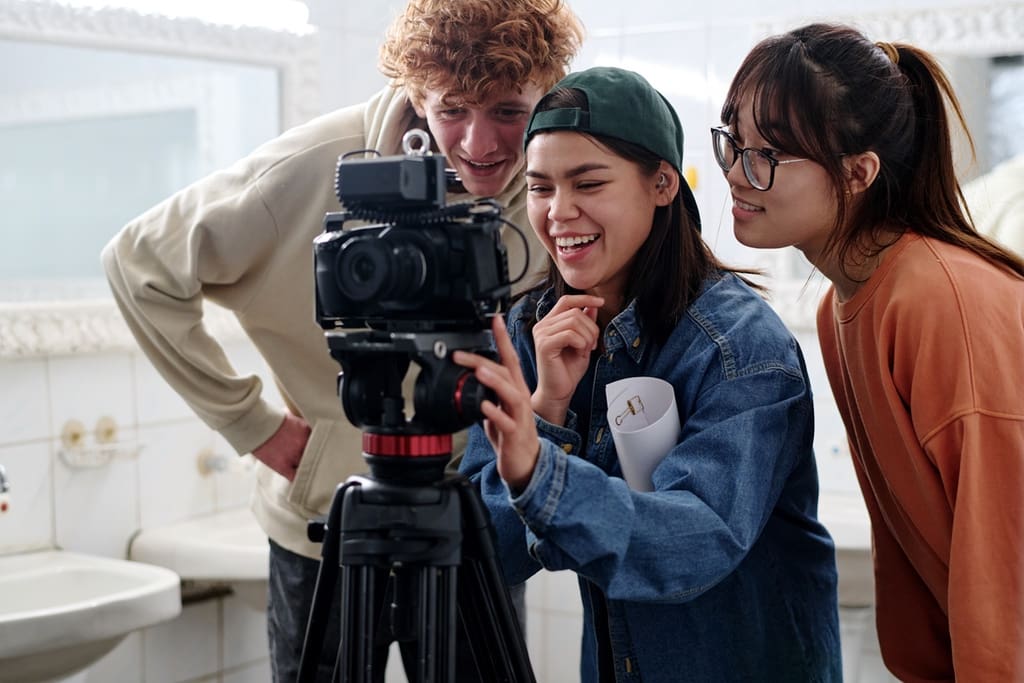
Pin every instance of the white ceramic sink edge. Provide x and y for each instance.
(225, 546)
(60, 610)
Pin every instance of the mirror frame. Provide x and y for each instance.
(36, 329)
(947, 32)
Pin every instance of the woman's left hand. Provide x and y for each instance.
(510, 425)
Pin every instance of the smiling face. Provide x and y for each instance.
(800, 208)
(482, 142)
(591, 209)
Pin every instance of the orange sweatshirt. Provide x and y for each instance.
(926, 363)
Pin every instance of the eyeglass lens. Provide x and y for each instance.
(757, 166)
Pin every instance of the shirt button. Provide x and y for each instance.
(567, 447)
(599, 436)
(636, 342)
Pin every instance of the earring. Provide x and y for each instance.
(662, 181)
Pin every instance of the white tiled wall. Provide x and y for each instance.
(153, 480)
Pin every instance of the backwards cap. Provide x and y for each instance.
(622, 105)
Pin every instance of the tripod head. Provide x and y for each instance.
(446, 396)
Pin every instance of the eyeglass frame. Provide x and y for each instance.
(741, 153)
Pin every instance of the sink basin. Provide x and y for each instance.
(61, 611)
(226, 546)
(846, 518)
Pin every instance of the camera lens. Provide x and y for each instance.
(373, 269)
(363, 269)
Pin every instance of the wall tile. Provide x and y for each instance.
(97, 509)
(28, 522)
(835, 468)
(600, 15)
(561, 658)
(24, 401)
(171, 486)
(156, 400)
(185, 648)
(91, 386)
(233, 487)
(250, 673)
(564, 593)
(537, 592)
(123, 663)
(339, 58)
(394, 671)
(244, 631)
(535, 645)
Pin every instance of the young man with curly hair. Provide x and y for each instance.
(468, 70)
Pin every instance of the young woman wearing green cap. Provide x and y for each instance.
(922, 331)
(722, 572)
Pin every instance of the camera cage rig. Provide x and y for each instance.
(412, 263)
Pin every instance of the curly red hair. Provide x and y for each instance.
(476, 49)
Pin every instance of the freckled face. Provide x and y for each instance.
(798, 210)
(483, 143)
(591, 209)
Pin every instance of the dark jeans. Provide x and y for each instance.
(290, 596)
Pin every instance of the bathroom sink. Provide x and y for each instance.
(61, 611)
(225, 546)
(846, 518)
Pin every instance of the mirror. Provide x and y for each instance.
(109, 112)
(981, 50)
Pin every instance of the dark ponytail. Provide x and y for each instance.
(935, 202)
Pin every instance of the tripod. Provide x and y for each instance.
(409, 545)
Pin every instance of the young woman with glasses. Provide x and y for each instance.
(922, 330)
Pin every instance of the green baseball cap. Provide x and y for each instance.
(622, 105)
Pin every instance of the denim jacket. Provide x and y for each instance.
(723, 572)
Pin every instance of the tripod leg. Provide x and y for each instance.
(363, 650)
(485, 606)
(323, 591)
(435, 657)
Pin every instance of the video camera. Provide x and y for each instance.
(423, 266)
(414, 281)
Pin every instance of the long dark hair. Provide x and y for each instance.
(825, 90)
(673, 262)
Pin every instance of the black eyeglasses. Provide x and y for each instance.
(758, 165)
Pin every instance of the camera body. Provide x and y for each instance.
(418, 266)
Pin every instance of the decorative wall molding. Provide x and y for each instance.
(992, 29)
(29, 330)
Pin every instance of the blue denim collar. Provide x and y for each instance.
(624, 332)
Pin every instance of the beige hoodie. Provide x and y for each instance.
(242, 238)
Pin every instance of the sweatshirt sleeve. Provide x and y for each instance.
(211, 240)
(981, 458)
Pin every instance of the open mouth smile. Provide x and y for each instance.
(575, 242)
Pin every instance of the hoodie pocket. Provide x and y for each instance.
(333, 453)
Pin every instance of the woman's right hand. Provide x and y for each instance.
(564, 340)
